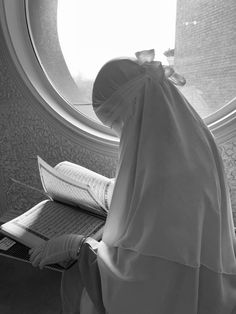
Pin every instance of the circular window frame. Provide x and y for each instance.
(222, 122)
(14, 25)
(15, 29)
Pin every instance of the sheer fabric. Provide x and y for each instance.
(171, 198)
(168, 243)
(169, 288)
(172, 289)
(82, 282)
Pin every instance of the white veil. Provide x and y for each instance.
(170, 198)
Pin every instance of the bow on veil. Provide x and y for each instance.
(147, 56)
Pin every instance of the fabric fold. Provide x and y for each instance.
(171, 197)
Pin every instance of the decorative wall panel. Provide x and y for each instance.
(228, 152)
(26, 133)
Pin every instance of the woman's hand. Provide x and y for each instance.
(56, 250)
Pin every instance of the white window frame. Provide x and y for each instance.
(14, 25)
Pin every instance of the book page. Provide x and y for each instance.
(100, 185)
(49, 219)
(64, 189)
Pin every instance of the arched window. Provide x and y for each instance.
(73, 39)
(59, 45)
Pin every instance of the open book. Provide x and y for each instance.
(78, 201)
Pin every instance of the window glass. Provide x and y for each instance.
(205, 52)
(74, 38)
(93, 32)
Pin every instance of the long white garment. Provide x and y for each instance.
(172, 288)
(171, 198)
(169, 287)
(170, 219)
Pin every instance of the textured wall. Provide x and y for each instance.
(25, 132)
(205, 51)
(228, 153)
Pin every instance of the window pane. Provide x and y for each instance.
(206, 52)
(74, 38)
(93, 32)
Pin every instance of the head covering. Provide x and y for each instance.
(170, 198)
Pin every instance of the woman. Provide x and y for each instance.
(168, 243)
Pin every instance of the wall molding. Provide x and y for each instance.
(222, 123)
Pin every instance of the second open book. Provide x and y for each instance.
(78, 203)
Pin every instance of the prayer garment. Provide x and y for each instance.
(168, 243)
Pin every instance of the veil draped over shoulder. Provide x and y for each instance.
(171, 200)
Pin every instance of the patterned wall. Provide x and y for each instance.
(228, 152)
(26, 133)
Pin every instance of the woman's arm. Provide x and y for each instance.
(57, 250)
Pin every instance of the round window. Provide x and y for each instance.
(73, 39)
